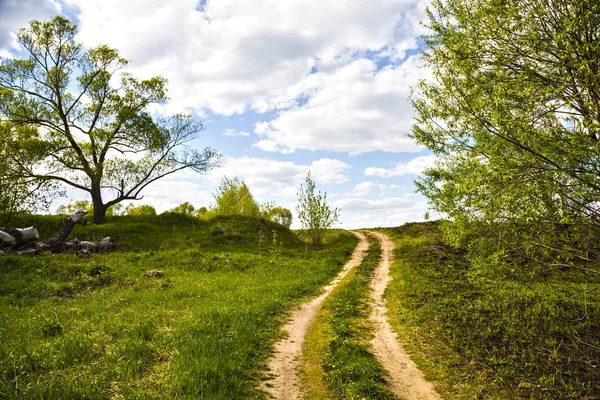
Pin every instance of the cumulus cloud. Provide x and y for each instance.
(231, 55)
(233, 132)
(414, 166)
(361, 213)
(15, 14)
(356, 109)
(365, 189)
(282, 178)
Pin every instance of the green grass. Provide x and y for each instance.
(340, 340)
(498, 339)
(97, 328)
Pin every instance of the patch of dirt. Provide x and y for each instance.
(405, 380)
(283, 365)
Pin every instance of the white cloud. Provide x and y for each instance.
(233, 132)
(234, 55)
(414, 166)
(361, 213)
(392, 203)
(365, 189)
(355, 109)
(280, 178)
(15, 14)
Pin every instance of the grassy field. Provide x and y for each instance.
(337, 362)
(98, 328)
(500, 339)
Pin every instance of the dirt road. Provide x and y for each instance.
(284, 363)
(405, 380)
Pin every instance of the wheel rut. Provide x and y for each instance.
(405, 380)
(283, 365)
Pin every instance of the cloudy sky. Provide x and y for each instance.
(283, 86)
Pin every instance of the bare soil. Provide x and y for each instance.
(284, 364)
(405, 380)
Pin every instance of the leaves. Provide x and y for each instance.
(92, 117)
(313, 211)
(513, 111)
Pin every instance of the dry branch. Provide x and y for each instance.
(23, 241)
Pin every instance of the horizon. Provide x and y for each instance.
(281, 88)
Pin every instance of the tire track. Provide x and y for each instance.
(405, 380)
(283, 365)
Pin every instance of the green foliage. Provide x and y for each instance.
(184, 208)
(513, 112)
(96, 327)
(143, 209)
(91, 114)
(85, 205)
(352, 372)
(19, 195)
(314, 213)
(277, 214)
(202, 212)
(492, 339)
(233, 197)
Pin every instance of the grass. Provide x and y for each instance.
(98, 328)
(499, 339)
(337, 362)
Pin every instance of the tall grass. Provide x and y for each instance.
(98, 328)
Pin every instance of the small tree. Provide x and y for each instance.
(144, 209)
(233, 197)
(314, 213)
(277, 214)
(184, 208)
(89, 118)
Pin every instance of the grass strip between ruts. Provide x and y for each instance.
(337, 362)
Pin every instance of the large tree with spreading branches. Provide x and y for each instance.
(94, 129)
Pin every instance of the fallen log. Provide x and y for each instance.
(23, 241)
(10, 237)
(56, 242)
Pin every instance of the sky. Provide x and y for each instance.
(283, 87)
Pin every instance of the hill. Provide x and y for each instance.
(493, 337)
(99, 327)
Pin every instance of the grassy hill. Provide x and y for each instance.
(501, 338)
(96, 327)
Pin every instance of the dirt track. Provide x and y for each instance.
(284, 363)
(405, 380)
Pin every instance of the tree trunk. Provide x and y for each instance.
(23, 241)
(57, 241)
(99, 206)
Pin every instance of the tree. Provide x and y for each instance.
(314, 213)
(85, 205)
(143, 209)
(233, 197)
(19, 195)
(513, 112)
(277, 214)
(202, 212)
(88, 126)
(184, 208)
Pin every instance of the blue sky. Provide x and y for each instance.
(283, 87)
